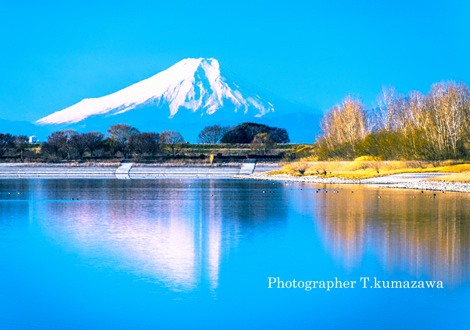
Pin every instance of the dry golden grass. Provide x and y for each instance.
(454, 177)
(454, 168)
(363, 168)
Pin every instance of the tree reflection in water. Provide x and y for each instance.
(422, 233)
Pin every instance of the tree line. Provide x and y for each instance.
(123, 141)
(434, 126)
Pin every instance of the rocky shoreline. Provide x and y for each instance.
(398, 181)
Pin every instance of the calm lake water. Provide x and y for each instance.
(132, 254)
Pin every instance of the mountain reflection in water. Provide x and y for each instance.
(173, 231)
(150, 254)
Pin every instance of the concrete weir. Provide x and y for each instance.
(248, 167)
(122, 172)
(140, 171)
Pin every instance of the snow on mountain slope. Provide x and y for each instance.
(194, 84)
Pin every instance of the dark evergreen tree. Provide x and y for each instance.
(245, 133)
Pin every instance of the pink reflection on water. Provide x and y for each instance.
(164, 242)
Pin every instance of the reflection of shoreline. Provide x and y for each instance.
(396, 181)
(417, 233)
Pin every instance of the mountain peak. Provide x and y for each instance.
(195, 84)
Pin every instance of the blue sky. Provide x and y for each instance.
(55, 53)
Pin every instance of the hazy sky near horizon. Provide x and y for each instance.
(55, 53)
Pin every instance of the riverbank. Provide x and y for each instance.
(129, 170)
(260, 171)
(417, 181)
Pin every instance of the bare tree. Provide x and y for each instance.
(212, 134)
(6, 142)
(144, 143)
(121, 133)
(21, 143)
(94, 142)
(415, 124)
(119, 136)
(262, 143)
(447, 108)
(59, 144)
(345, 124)
(171, 141)
(389, 111)
(87, 142)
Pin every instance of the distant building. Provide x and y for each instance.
(33, 139)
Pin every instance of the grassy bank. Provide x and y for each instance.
(364, 167)
(454, 177)
(181, 153)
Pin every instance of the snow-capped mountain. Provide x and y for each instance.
(191, 84)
